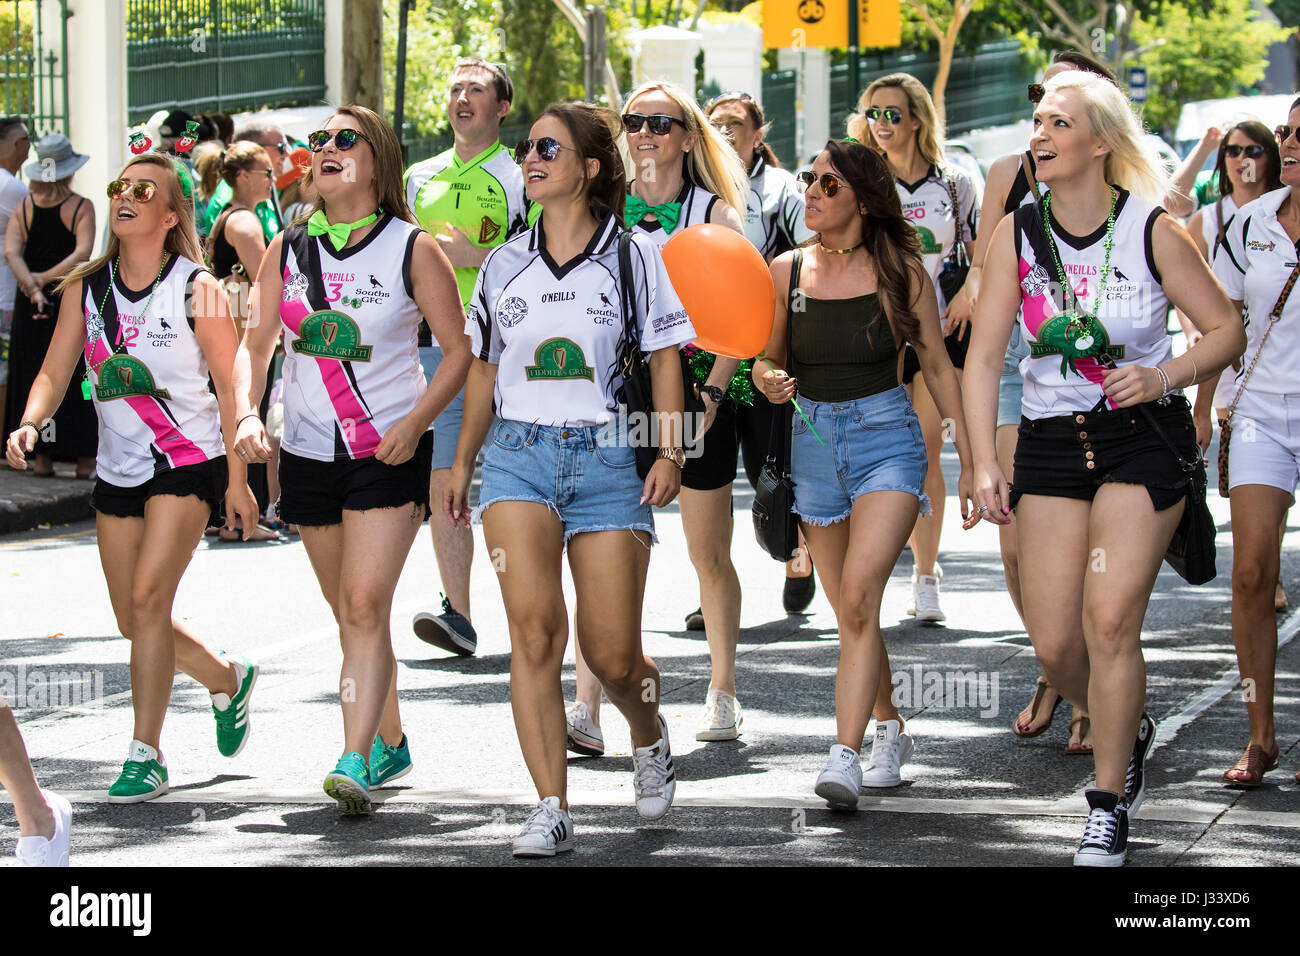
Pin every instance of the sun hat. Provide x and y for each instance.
(55, 160)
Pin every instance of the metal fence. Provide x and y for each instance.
(226, 55)
(780, 97)
(33, 58)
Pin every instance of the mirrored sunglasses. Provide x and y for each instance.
(829, 182)
(343, 139)
(140, 192)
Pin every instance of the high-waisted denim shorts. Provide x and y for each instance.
(870, 444)
(589, 481)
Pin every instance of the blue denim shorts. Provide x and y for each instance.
(446, 427)
(590, 483)
(871, 444)
(1011, 389)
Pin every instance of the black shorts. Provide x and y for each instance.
(206, 481)
(754, 426)
(714, 465)
(956, 354)
(316, 493)
(1071, 456)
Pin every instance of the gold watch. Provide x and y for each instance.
(676, 455)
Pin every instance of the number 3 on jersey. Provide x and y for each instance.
(336, 292)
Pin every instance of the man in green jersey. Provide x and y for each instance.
(471, 199)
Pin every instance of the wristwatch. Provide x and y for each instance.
(676, 455)
(713, 392)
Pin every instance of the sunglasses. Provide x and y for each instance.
(343, 139)
(1283, 133)
(1036, 91)
(140, 192)
(829, 182)
(733, 95)
(268, 173)
(282, 146)
(1253, 151)
(547, 149)
(891, 115)
(659, 123)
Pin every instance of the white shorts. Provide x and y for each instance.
(1265, 444)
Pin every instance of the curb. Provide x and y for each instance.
(58, 501)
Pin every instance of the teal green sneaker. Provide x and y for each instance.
(388, 763)
(232, 712)
(143, 776)
(348, 784)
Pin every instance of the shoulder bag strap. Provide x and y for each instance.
(1272, 321)
(629, 290)
(782, 434)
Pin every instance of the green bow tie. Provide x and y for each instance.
(318, 225)
(667, 212)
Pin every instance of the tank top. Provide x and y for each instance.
(1062, 373)
(149, 376)
(841, 349)
(351, 366)
(224, 256)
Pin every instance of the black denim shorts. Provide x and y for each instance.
(205, 480)
(315, 493)
(1071, 456)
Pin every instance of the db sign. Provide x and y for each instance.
(1137, 84)
(800, 24)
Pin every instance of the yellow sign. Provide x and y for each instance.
(880, 23)
(825, 23)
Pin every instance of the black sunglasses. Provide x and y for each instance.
(829, 182)
(1036, 92)
(343, 139)
(660, 123)
(547, 149)
(1283, 133)
(891, 115)
(1253, 151)
(140, 192)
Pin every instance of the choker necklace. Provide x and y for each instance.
(838, 252)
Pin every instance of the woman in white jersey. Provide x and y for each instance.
(153, 324)
(546, 323)
(1098, 492)
(897, 118)
(687, 174)
(774, 223)
(1257, 264)
(349, 287)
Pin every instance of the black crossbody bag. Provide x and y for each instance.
(775, 524)
(635, 393)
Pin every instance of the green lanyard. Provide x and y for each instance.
(1081, 321)
(99, 321)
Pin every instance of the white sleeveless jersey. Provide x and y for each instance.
(149, 377)
(774, 211)
(1063, 374)
(351, 365)
(928, 206)
(696, 202)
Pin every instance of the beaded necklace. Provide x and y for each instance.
(1081, 322)
(98, 329)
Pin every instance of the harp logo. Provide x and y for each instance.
(331, 335)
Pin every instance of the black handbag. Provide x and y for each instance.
(634, 392)
(1191, 550)
(775, 524)
(957, 266)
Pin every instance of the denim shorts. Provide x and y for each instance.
(1011, 389)
(446, 427)
(871, 444)
(589, 481)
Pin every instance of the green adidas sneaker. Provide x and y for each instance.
(349, 784)
(143, 776)
(232, 712)
(388, 763)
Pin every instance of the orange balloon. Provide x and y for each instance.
(726, 288)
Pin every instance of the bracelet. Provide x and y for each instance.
(246, 417)
(35, 427)
(1164, 381)
(1195, 371)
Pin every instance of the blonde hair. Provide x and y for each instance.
(712, 164)
(181, 238)
(207, 163)
(1132, 163)
(929, 138)
(239, 158)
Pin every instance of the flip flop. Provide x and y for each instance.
(1080, 749)
(1043, 688)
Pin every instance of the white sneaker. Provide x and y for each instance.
(889, 751)
(653, 777)
(38, 851)
(584, 733)
(548, 831)
(925, 595)
(721, 719)
(841, 779)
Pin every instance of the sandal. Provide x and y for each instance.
(1078, 745)
(1043, 688)
(1249, 770)
(1280, 602)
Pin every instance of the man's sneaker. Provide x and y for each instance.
(1135, 781)
(449, 630)
(232, 712)
(349, 784)
(841, 779)
(387, 763)
(925, 595)
(1105, 835)
(585, 737)
(889, 751)
(721, 719)
(143, 777)
(37, 850)
(548, 831)
(654, 780)
(695, 620)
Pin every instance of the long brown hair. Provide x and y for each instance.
(181, 239)
(890, 239)
(1262, 136)
(388, 162)
(592, 128)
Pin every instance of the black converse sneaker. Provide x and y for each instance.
(1105, 835)
(1135, 782)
